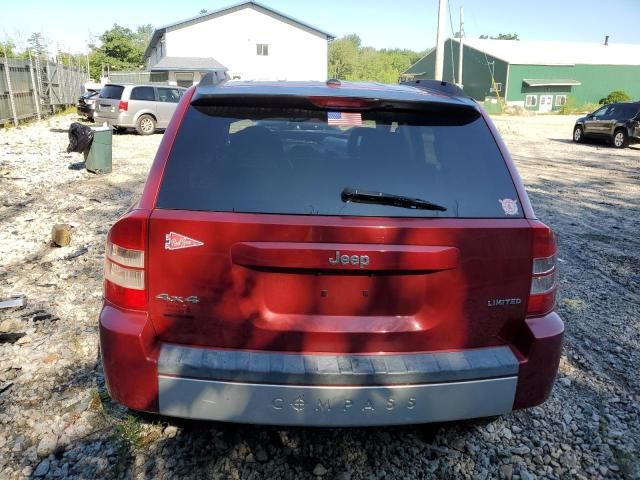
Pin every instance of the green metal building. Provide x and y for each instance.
(538, 76)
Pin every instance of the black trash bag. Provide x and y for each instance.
(80, 138)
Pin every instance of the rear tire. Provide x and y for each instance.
(578, 134)
(145, 125)
(620, 138)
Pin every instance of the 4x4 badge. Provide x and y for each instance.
(176, 241)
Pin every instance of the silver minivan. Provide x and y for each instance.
(143, 107)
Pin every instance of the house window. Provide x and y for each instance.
(262, 49)
(184, 79)
(561, 100)
(496, 88)
(531, 101)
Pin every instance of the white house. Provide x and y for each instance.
(249, 40)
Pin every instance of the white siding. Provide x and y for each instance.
(294, 54)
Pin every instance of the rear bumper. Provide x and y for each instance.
(85, 110)
(122, 120)
(334, 405)
(325, 390)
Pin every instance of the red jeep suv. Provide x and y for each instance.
(330, 254)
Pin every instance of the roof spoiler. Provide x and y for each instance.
(214, 77)
(436, 85)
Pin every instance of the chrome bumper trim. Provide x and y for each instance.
(334, 405)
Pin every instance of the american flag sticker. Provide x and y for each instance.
(344, 119)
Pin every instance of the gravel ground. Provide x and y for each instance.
(56, 419)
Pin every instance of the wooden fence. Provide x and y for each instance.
(32, 88)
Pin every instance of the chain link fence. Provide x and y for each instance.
(32, 88)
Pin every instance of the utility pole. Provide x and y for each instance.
(442, 22)
(460, 53)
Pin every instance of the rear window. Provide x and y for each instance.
(294, 161)
(627, 111)
(113, 92)
(143, 93)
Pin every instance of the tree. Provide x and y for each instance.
(38, 44)
(343, 56)
(7, 49)
(502, 36)
(615, 96)
(120, 44)
(202, 11)
(349, 60)
(506, 36)
(143, 35)
(120, 49)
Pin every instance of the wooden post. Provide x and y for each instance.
(49, 87)
(61, 83)
(8, 77)
(36, 95)
(39, 80)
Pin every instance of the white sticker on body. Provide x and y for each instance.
(509, 206)
(176, 241)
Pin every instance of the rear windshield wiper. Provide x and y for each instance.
(362, 196)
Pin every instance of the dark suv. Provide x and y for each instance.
(330, 254)
(87, 104)
(618, 123)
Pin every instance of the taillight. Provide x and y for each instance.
(123, 106)
(542, 296)
(124, 263)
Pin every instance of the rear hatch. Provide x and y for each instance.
(274, 230)
(108, 101)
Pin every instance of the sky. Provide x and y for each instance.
(379, 23)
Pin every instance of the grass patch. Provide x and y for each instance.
(627, 461)
(67, 110)
(571, 107)
(129, 431)
(575, 304)
(98, 400)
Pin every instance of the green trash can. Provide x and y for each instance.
(99, 157)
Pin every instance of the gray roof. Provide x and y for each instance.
(529, 52)
(158, 32)
(188, 63)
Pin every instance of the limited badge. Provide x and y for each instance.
(509, 206)
(175, 241)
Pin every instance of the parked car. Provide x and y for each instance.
(385, 268)
(86, 104)
(618, 123)
(143, 107)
